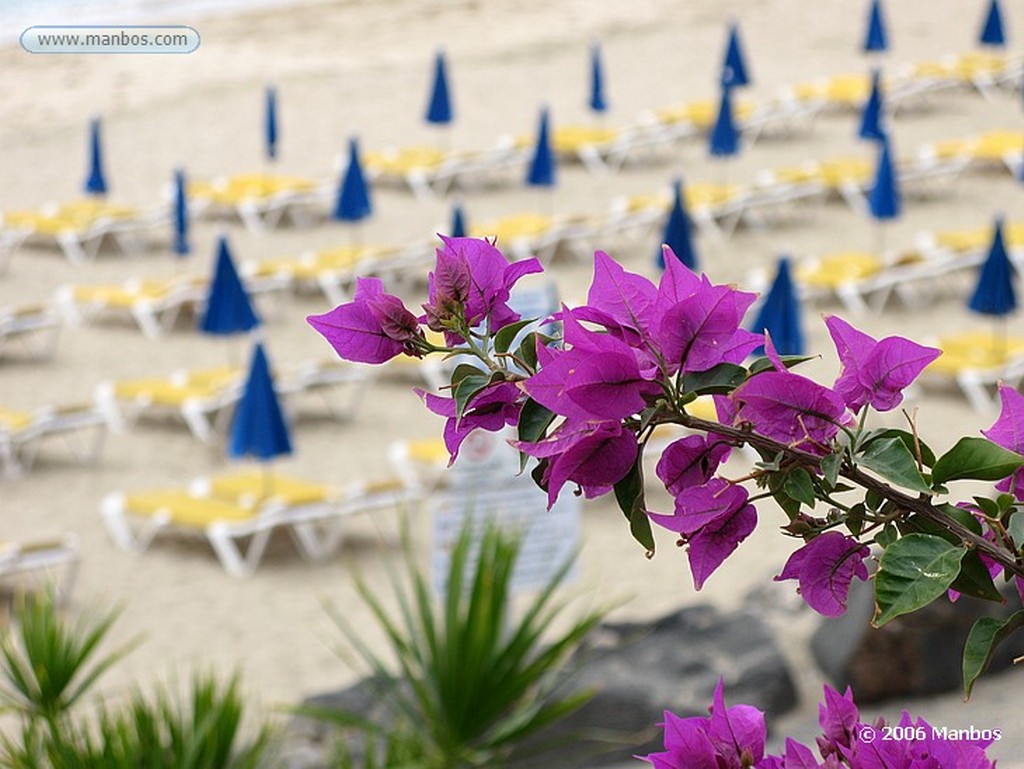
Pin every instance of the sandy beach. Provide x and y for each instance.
(344, 69)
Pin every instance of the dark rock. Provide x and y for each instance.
(640, 670)
(916, 654)
(637, 671)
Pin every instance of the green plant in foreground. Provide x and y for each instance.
(49, 663)
(472, 683)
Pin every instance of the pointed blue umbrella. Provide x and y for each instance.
(353, 202)
(181, 245)
(228, 309)
(994, 293)
(884, 196)
(597, 102)
(271, 123)
(780, 314)
(258, 428)
(992, 31)
(734, 68)
(677, 234)
(876, 39)
(725, 139)
(458, 228)
(439, 109)
(873, 112)
(541, 172)
(95, 182)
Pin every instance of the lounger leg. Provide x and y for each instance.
(129, 540)
(197, 421)
(224, 542)
(72, 248)
(145, 317)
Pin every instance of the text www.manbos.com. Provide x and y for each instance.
(177, 39)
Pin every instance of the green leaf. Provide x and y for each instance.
(975, 581)
(830, 465)
(799, 486)
(913, 572)
(978, 459)
(468, 386)
(504, 338)
(629, 493)
(764, 364)
(534, 421)
(891, 459)
(1015, 528)
(873, 500)
(927, 455)
(464, 370)
(887, 535)
(855, 519)
(527, 351)
(776, 485)
(721, 379)
(988, 506)
(987, 633)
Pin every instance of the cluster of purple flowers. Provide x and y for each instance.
(734, 738)
(585, 406)
(627, 353)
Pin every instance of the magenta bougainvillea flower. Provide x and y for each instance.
(790, 409)
(875, 372)
(734, 738)
(825, 567)
(729, 737)
(713, 519)
(373, 328)
(1008, 432)
(927, 748)
(598, 378)
(838, 717)
(593, 455)
(685, 322)
(473, 278)
(690, 461)
(703, 330)
(491, 409)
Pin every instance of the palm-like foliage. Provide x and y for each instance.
(48, 662)
(470, 686)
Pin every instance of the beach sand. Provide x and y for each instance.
(347, 68)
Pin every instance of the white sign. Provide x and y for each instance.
(485, 487)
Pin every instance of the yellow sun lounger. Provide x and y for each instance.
(863, 281)
(332, 271)
(237, 513)
(715, 208)
(199, 397)
(978, 361)
(19, 432)
(82, 427)
(35, 327)
(426, 171)
(31, 558)
(81, 227)
(153, 304)
(261, 201)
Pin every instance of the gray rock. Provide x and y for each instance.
(916, 654)
(636, 671)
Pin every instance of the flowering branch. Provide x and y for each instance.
(637, 354)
